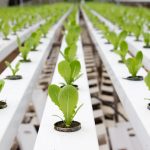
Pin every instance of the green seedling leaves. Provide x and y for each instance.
(69, 71)
(135, 63)
(5, 29)
(147, 80)
(75, 69)
(2, 83)
(65, 70)
(116, 39)
(66, 99)
(123, 50)
(13, 70)
(24, 50)
(70, 53)
(146, 39)
(53, 91)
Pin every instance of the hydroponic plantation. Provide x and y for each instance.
(75, 75)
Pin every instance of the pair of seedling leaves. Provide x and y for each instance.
(5, 28)
(146, 40)
(116, 39)
(66, 99)
(24, 50)
(30, 44)
(134, 63)
(14, 69)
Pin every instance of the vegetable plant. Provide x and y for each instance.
(14, 70)
(34, 40)
(147, 80)
(66, 99)
(122, 52)
(135, 63)
(69, 71)
(5, 30)
(137, 30)
(146, 40)
(70, 53)
(24, 50)
(117, 39)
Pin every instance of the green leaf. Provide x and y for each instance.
(75, 69)
(65, 70)
(123, 50)
(68, 99)
(53, 91)
(147, 80)
(135, 63)
(2, 83)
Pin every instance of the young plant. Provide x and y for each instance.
(147, 80)
(116, 39)
(69, 71)
(146, 40)
(34, 40)
(70, 53)
(137, 30)
(14, 70)
(5, 30)
(134, 64)
(66, 99)
(123, 51)
(24, 50)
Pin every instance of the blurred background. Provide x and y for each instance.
(26, 2)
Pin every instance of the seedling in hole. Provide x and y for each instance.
(146, 40)
(14, 71)
(66, 99)
(137, 30)
(134, 64)
(5, 30)
(24, 50)
(2, 103)
(69, 71)
(34, 40)
(116, 39)
(122, 52)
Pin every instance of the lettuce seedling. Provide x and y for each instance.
(15, 69)
(147, 80)
(5, 30)
(116, 39)
(24, 50)
(34, 40)
(137, 30)
(123, 51)
(66, 99)
(135, 63)
(69, 71)
(146, 40)
(70, 53)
